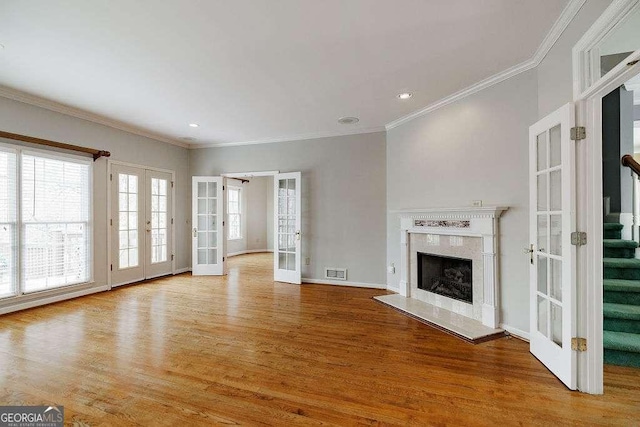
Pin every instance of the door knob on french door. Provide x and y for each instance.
(298, 235)
(530, 251)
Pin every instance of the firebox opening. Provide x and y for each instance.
(448, 276)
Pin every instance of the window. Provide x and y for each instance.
(234, 211)
(45, 241)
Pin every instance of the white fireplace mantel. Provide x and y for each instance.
(464, 221)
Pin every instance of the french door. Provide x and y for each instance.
(288, 225)
(141, 224)
(553, 257)
(208, 194)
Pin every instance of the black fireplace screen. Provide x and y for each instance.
(448, 276)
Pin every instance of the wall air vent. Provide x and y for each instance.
(334, 273)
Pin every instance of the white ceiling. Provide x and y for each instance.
(255, 70)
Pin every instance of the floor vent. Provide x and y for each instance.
(334, 273)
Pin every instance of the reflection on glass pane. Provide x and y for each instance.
(542, 274)
(213, 189)
(133, 257)
(543, 312)
(133, 239)
(282, 241)
(282, 184)
(202, 239)
(213, 239)
(133, 202)
(212, 220)
(282, 205)
(291, 243)
(123, 240)
(202, 190)
(123, 202)
(162, 187)
(213, 256)
(123, 186)
(291, 206)
(555, 187)
(202, 256)
(162, 203)
(555, 138)
(154, 220)
(556, 235)
(282, 225)
(124, 259)
(282, 260)
(618, 44)
(123, 221)
(202, 205)
(556, 279)
(154, 254)
(292, 186)
(133, 184)
(133, 220)
(202, 222)
(291, 262)
(542, 192)
(556, 324)
(213, 206)
(154, 186)
(543, 232)
(162, 220)
(542, 151)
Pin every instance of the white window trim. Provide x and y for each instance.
(26, 299)
(241, 214)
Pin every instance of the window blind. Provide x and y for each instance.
(8, 217)
(55, 213)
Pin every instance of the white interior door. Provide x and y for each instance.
(208, 198)
(552, 220)
(288, 226)
(158, 224)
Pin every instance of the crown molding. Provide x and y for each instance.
(38, 101)
(301, 137)
(565, 18)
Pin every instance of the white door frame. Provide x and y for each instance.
(588, 92)
(109, 201)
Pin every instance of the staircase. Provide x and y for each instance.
(621, 299)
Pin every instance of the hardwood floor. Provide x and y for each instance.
(245, 350)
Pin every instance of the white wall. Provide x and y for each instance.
(17, 117)
(475, 149)
(343, 206)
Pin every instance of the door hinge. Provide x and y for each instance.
(172, 257)
(110, 177)
(171, 220)
(222, 259)
(111, 222)
(171, 184)
(579, 344)
(111, 267)
(578, 238)
(578, 133)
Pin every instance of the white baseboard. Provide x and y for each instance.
(19, 303)
(395, 289)
(343, 283)
(250, 251)
(518, 333)
(182, 270)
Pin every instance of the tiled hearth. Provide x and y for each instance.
(468, 233)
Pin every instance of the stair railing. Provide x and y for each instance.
(629, 162)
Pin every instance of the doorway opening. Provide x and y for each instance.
(621, 207)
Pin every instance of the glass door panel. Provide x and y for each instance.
(208, 235)
(287, 216)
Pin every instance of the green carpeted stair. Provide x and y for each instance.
(621, 298)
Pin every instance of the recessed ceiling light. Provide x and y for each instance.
(405, 95)
(348, 120)
(194, 125)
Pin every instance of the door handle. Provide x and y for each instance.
(195, 232)
(298, 235)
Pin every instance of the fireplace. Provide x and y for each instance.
(449, 276)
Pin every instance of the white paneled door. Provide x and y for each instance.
(208, 238)
(553, 258)
(288, 226)
(141, 224)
